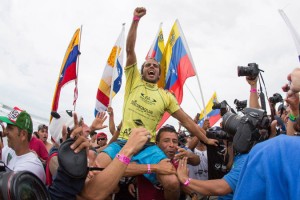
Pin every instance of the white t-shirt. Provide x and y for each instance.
(26, 162)
(200, 171)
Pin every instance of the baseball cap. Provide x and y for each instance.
(19, 118)
(101, 134)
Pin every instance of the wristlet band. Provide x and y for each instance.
(136, 18)
(187, 182)
(253, 90)
(292, 117)
(124, 159)
(149, 169)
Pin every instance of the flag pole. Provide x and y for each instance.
(292, 30)
(193, 97)
(115, 65)
(77, 71)
(192, 61)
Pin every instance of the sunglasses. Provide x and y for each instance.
(149, 64)
(101, 139)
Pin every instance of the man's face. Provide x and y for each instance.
(43, 134)
(101, 141)
(13, 136)
(151, 71)
(168, 142)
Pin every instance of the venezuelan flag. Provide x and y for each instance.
(68, 70)
(212, 115)
(178, 62)
(156, 51)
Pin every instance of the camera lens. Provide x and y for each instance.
(22, 185)
(230, 122)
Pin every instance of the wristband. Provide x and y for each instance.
(187, 182)
(253, 90)
(149, 169)
(136, 18)
(292, 117)
(124, 159)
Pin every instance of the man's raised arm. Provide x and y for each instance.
(131, 38)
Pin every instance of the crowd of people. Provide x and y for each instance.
(140, 162)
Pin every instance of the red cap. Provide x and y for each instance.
(101, 134)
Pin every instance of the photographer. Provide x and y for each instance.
(271, 171)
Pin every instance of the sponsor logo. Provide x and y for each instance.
(147, 99)
(141, 108)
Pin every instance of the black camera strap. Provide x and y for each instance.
(262, 95)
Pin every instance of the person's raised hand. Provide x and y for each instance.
(139, 12)
(110, 111)
(98, 121)
(80, 141)
(182, 170)
(251, 81)
(137, 139)
(181, 152)
(165, 167)
(213, 142)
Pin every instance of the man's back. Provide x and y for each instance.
(272, 170)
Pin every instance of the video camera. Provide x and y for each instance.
(240, 105)
(242, 130)
(251, 70)
(222, 106)
(218, 134)
(276, 98)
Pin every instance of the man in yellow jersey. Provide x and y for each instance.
(144, 106)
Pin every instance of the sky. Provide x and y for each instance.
(221, 36)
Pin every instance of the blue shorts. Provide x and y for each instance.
(152, 154)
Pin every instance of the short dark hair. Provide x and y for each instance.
(166, 128)
(92, 133)
(42, 126)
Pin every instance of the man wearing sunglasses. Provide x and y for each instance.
(144, 106)
(101, 139)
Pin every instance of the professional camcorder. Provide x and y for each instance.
(252, 70)
(222, 106)
(276, 98)
(242, 130)
(240, 105)
(217, 133)
(245, 129)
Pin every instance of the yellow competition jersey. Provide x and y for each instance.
(144, 104)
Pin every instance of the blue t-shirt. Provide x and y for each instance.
(232, 177)
(271, 171)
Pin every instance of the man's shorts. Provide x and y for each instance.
(151, 154)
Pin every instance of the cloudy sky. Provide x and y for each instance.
(221, 35)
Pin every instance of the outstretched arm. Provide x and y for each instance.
(131, 38)
(192, 127)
